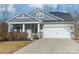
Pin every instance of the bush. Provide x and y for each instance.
(1, 39)
(20, 35)
(10, 36)
(13, 36)
(35, 36)
(2, 36)
(23, 35)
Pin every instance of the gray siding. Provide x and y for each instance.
(46, 17)
(25, 18)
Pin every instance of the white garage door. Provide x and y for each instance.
(57, 32)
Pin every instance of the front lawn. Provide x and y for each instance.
(11, 46)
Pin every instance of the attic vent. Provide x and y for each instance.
(22, 16)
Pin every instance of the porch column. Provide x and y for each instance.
(10, 27)
(38, 28)
(23, 28)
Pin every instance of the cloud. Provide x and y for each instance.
(10, 8)
(55, 5)
(52, 5)
(36, 6)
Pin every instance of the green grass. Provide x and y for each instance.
(11, 46)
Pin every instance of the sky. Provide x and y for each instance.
(14, 9)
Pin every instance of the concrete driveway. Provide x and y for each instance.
(50, 46)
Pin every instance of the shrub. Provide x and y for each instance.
(13, 36)
(20, 35)
(10, 36)
(23, 35)
(3, 36)
(35, 36)
(17, 35)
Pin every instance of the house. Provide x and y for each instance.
(46, 24)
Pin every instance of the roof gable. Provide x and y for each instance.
(22, 17)
(47, 16)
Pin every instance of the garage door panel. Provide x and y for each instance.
(56, 33)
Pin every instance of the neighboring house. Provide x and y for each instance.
(46, 24)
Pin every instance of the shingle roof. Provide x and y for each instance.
(65, 16)
(48, 17)
(23, 20)
(54, 16)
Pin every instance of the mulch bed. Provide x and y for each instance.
(3, 40)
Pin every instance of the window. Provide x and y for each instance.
(39, 15)
(18, 28)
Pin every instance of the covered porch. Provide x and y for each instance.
(30, 28)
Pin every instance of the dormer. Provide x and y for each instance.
(40, 14)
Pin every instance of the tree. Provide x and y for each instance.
(4, 28)
(76, 24)
(5, 12)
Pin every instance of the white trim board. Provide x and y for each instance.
(58, 25)
(23, 22)
(58, 22)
